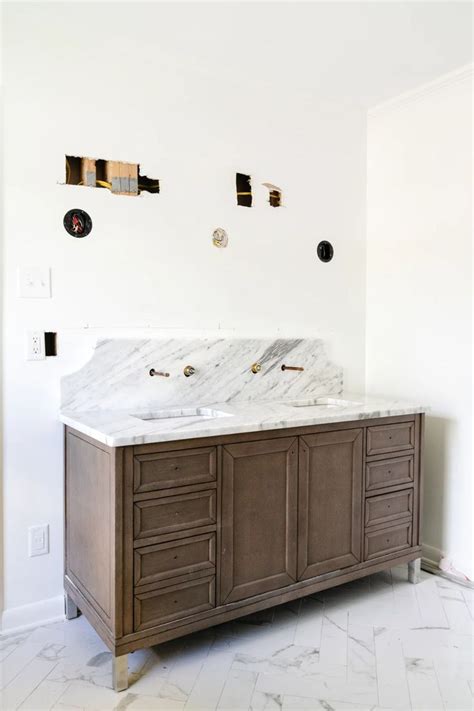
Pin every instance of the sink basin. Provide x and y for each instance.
(326, 402)
(205, 412)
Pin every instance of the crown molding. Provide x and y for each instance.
(460, 75)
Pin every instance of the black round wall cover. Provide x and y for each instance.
(325, 251)
(77, 223)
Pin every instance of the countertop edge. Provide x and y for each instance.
(163, 437)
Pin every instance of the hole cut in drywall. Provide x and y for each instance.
(149, 185)
(244, 189)
(50, 343)
(274, 194)
(118, 177)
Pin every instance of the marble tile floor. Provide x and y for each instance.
(377, 643)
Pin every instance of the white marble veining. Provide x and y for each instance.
(114, 400)
(363, 646)
(120, 428)
(117, 376)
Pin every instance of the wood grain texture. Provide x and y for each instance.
(153, 517)
(174, 601)
(384, 439)
(389, 507)
(398, 471)
(90, 516)
(330, 502)
(154, 564)
(389, 539)
(162, 470)
(259, 515)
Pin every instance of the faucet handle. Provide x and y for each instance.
(256, 368)
(189, 370)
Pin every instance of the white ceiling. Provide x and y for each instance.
(361, 52)
(355, 53)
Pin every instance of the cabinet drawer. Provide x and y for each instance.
(173, 602)
(164, 470)
(169, 514)
(390, 438)
(382, 509)
(387, 540)
(389, 472)
(169, 560)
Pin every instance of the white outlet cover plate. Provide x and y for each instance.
(35, 345)
(38, 540)
(34, 282)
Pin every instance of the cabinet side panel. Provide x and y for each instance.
(89, 523)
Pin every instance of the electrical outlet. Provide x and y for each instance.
(38, 540)
(35, 345)
(34, 282)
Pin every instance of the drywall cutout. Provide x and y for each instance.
(244, 189)
(325, 251)
(220, 237)
(120, 178)
(77, 223)
(274, 194)
(50, 344)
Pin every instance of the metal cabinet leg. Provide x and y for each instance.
(70, 607)
(414, 567)
(120, 672)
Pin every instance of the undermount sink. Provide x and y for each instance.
(326, 402)
(205, 412)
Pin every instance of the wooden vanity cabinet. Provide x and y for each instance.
(166, 539)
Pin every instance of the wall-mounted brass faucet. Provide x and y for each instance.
(189, 370)
(158, 372)
(256, 368)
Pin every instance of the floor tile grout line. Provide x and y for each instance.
(406, 674)
(58, 700)
(375, 664)
(200, 670)
(3, 688)
(439, 687)
(38, 684)
(347, 646)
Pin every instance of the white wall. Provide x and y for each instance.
(149, 261)
(419, 267)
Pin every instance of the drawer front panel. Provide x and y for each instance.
(169, 560)
(390, 438)
(164, 470)
(173, 602)
(389, 507)
(389, 472)
(174, 513)
(388, 540)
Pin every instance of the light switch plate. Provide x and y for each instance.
(34, 282)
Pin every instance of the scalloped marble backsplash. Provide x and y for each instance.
(117, 376)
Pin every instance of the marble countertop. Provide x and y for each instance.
(119, 428)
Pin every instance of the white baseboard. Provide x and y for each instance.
(18, 619)
(430, 561)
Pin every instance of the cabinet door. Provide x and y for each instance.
(259, 529)
(330, 502)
